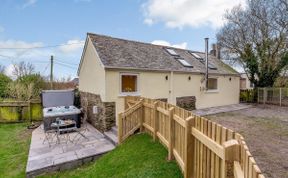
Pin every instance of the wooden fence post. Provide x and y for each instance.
(231, 153)
(171, 133)
(156, 120)
(30, 111)
(189, 147)
(120, 127)
(142, 115)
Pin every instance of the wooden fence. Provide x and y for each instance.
(19, 111)
(201, 147)
(276, 96)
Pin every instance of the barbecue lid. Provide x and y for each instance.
(53, 98)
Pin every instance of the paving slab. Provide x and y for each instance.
(221, 109)
(44, 158)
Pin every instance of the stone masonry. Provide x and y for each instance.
(104, 120)
(186, 102)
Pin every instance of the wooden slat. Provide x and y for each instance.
(163, 111)
(211, 144)
(131, 132)
(164, 141)
(238, 173)
(148, 105)
(178, 159)
(179, 120)
(148, 127)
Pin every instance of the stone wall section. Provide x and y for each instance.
(105, 118)
(186, 102)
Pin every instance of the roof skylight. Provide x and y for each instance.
(212, 67)
(195, 55)
(171, 52)
(184, 62)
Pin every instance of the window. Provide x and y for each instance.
(195, 55)
(212, 67)
(212, 84)
(171, 52)
(129, 83)
(184, 62)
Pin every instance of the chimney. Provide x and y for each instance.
(206, 62)
(215, 51)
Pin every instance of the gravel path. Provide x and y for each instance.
(265, 129)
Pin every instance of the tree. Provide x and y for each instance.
(23, 68)
(4, 81)
(21, 92)
(256, 37)
(35, 80)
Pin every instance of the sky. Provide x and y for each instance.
(33, 30)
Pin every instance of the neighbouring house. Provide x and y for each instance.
(245, 82)
(112, 68)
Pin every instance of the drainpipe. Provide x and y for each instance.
(206, 63)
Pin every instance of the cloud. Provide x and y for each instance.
(72, 46)
(182, 13)
(166, 43)
(148, 21)
(29, 3)
(9, 70)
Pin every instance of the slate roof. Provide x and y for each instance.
(127, 54)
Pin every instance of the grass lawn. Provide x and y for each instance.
(14, 148)
(139, 156)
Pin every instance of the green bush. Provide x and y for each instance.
(36, 79)
(4, 81)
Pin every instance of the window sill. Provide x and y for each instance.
(212, 91)
(129, 94)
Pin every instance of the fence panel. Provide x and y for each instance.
(20, 111)
(129, 121)
(201, 147)
(275, 96)
(284, 96)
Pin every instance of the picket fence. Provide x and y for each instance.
(202, 148)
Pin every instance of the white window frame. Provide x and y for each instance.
(213, 90)
(137, 93)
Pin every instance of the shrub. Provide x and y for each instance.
(4, 81)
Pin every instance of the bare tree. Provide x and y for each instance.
(23, 68)
(257, 38)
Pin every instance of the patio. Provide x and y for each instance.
(221, 109)
(43, 158)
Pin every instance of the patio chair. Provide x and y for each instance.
(84, 127)
(49, 136)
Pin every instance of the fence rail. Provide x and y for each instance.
(201, 148)
(275, 96)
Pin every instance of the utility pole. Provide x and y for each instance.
(51, 73)
(206, 63)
